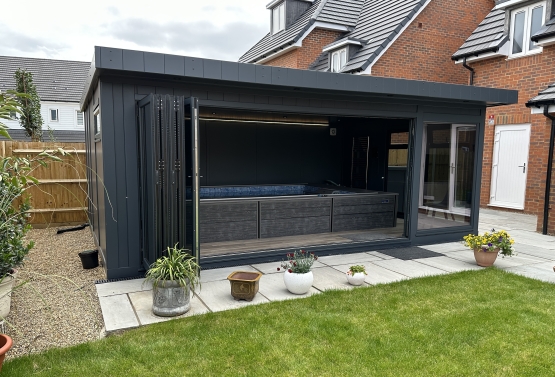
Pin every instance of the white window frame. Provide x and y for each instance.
(527, 20)
(77, 112)
(50, 114)
(280, 8)
(337, 55)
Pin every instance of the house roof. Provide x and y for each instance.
(548, 30)
(488, 36)
(379, 23)
(376, 22)
(55, 80)
(546, 96)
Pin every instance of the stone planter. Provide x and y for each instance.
(485, 258)
(244, 284)
(6, 295)
(298, 284)
(170, 299)
(356, 279)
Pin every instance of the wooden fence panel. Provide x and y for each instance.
(61, 196)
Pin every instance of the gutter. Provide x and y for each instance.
(470, 69)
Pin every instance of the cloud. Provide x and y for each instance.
(20, 44)
(199, 38)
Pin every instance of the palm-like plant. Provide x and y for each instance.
(178, 265)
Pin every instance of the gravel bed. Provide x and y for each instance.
(58, 305)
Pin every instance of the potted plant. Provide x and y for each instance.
(356, 275)
(173, 276)
(487, 246)
(298, 278)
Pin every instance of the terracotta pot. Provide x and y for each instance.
(5, 345)
(6, 295)
(485, 258)
(356, 279)
(298, 284)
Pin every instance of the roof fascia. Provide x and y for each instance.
(508, 4)
(539, 109)
(546, 41)
(501, 51)
(278, 53)
(367, 68)
(341, 44)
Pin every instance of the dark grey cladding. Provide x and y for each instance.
(56, 80)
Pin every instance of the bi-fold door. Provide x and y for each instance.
(169, 175)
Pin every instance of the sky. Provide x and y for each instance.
(68, 30)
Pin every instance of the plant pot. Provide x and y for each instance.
(485, 258)
(89, 259)
(356, 279)
(298, 284)
(5, 344)
(244, 284)
(169, 299)
(6, 295)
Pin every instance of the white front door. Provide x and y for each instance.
(510, 166)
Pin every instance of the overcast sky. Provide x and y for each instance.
(55, 29)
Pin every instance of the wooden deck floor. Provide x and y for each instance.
(244, 246)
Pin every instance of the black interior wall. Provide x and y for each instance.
(236, 153)
(378, 130)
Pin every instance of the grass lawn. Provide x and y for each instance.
(476, 323)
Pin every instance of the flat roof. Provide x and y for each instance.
(155, 65)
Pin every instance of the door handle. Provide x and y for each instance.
(523, 168)
(452, 168)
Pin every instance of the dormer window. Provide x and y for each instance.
(525, 22)
(338, 60)
(278, 18)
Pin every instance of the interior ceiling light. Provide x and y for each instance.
(265, 122)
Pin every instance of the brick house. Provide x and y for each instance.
(514, 47)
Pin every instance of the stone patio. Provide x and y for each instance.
(128, 304)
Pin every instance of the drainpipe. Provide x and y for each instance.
(549, 168)
(470, 69)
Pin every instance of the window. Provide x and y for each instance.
(13, 115)
(278, 18)
(338, 60)
(80, 119)
(525, 22)
(97, 125)
(54, 115)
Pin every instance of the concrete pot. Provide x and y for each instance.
(5, 345)
(298, 284)
(356, 279)
(6, 295)
(170, 299)
(485, 258)
(244, 284)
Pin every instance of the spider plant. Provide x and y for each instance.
(178, 265)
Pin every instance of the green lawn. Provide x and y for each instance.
(479, 323)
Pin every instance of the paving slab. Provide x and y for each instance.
(517, 260)
(376, 274)
(328, 278)
(118, 313)
(221, 273)
(448, 264)
(539, 252)
(410, 268)
(445, 247)
(273, 288)
(355, 258)
(142, 303)
(122, 287)
(380, 255)
(271, 268)
(541, 271)
(216, 295)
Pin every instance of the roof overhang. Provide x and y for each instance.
(273, 3)
(508, 4)
(339, 44)
(489, 53)
(546, 41)
(147, 65)
(540, 109)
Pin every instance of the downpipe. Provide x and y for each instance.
(470, 69)
(549, 168)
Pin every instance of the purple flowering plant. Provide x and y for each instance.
(298, 262)
(494, 241)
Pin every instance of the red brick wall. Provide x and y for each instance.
(528, 75)
(304, 56)
(423, 51)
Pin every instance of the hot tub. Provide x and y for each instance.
(230, 213)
